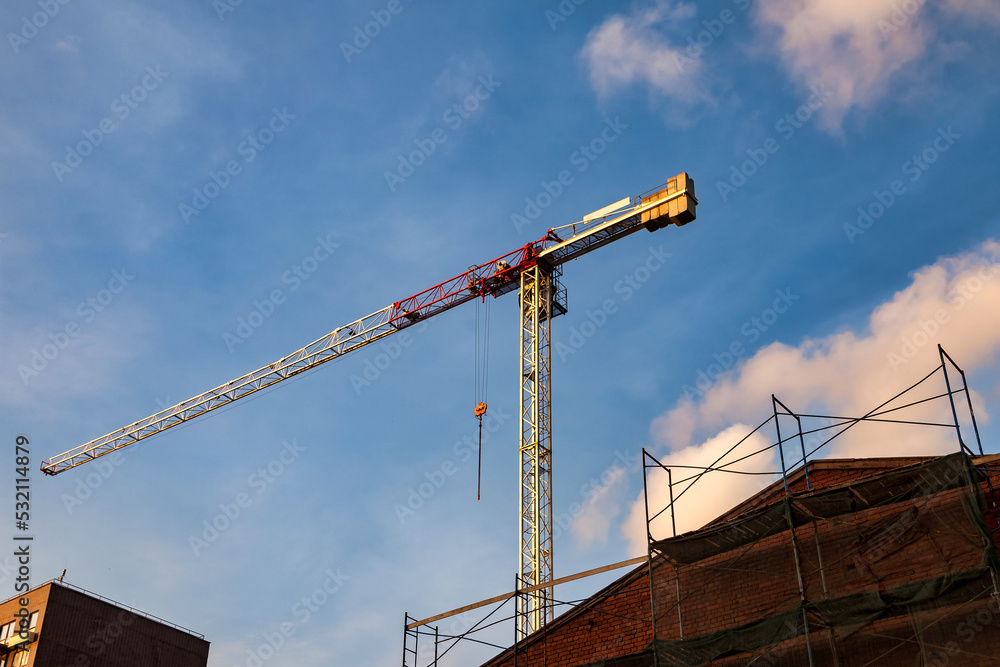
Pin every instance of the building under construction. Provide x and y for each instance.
(839, 562)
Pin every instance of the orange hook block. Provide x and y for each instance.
(480, 410)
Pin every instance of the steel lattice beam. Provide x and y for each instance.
(335, 344)
(534, 268)
(494, 278)
(534, 609)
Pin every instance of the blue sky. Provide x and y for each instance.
(168, 171)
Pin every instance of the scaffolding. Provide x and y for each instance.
(444, 643)
(806, 572)
(856, 572)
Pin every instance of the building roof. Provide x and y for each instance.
(853, 469)
(101, 598)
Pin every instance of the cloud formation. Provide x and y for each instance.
(854, 48)
(626, 49)
(698, 503)
(599, 509)
(953, 302)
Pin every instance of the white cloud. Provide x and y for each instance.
(953, 302)
(591, 526)
(714, 493)
(850, 373)
(854, 47)
(626, 49)
(839, 44)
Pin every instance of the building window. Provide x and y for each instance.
(5, 631)
(33, 621)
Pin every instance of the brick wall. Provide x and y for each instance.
(876, 549)
(616, 625)
(76, 630)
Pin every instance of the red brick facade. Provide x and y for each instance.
(75, 629)
(872, 554)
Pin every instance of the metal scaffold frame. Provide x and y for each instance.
(838, 424)
(411, 635)
(805, 441)
(444, 642)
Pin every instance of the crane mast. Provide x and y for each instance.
(533, 610)
(534, 270)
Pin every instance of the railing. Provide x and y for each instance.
(115, 603)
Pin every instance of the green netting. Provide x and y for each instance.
(865, 570)
(941, 474)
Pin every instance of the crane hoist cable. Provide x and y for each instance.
(482, 377)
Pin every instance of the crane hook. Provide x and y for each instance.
(480, 411)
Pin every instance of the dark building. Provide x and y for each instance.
(886, 561)
(71, 627)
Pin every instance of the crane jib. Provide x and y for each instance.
(672, 203)
(494, 278)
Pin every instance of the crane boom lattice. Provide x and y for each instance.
(534, 269)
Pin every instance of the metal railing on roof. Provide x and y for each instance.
(137, 612)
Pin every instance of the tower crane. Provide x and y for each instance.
(535, 269)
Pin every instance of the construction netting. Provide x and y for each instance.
(895, 568)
